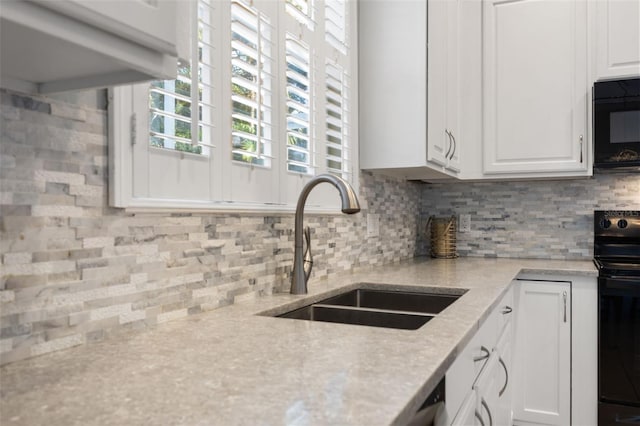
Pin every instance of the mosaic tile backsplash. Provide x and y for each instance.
(75, 270)
(532, 219)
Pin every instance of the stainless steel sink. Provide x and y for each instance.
(427, 303)
(349, 315)
(399, 309)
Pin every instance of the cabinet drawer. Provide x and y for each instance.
(467, 414)
(465, 369)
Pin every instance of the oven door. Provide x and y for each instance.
(619, 350)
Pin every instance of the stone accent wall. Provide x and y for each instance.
(532, 219)
(75, 270)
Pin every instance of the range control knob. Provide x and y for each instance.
(605, 223)
(622, 223)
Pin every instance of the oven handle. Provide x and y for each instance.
(614, 283)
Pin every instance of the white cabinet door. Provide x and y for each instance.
(392, 62)
(617, 38)
(535, 87)
(438, 139)
(444, 141)
(542, 370)
(453, 84)
(408, 85)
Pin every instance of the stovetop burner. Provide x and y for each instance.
(616, 248)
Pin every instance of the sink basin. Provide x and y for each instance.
(372, 318)
(406, 310)
(428, 303)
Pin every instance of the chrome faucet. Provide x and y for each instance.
(350, 205)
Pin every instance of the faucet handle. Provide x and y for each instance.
(308, 258)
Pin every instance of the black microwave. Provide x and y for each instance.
(616, 125)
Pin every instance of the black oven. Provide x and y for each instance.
(617, 255)
(616, 125)
(619, 351)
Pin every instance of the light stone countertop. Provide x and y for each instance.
(234, 367)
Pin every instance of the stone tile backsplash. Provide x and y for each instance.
(529, 219)
(75, 270)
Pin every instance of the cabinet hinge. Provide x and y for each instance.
(133, 129)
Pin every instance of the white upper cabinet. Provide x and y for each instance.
(443, 128)
(408, 85)
(52, 46)
(535, 88)
(617, 38)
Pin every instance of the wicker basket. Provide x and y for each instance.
(443, 237)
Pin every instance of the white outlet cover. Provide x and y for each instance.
(464, 223)
(373, 225)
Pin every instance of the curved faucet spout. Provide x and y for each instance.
(350, 205)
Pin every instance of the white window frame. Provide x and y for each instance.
(127, 134)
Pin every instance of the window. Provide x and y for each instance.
(256, 110)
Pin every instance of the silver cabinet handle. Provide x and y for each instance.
(450, 143)
(479, 417)
(486, 355)
(506, 374)
(507, 310)
(581, 140)
(486, 407)
(455, 145)
(564, 298)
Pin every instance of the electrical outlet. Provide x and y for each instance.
(373, 225)
(464, 223)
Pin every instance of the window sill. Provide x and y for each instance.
(181, 206)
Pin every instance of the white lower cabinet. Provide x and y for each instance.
(556, 350)
(543, 353)
(534, 359)
(477, 384)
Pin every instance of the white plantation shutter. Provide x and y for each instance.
(338, 143)
(170, 112)
(173, 118)
(256, 111)
(302, 11)
(251, 85)
(206, 71)
(336, 24)
(298, 101)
